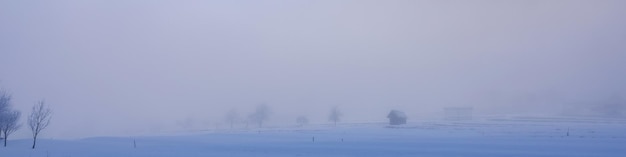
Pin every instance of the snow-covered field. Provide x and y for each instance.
(518, 136)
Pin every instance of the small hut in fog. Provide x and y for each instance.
(396, 117)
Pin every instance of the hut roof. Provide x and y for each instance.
(396, 114)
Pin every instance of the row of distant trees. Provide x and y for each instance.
(38, 120)
(262, 113)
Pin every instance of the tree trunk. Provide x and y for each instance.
(5, 140)
(34, 141)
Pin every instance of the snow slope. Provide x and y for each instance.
(522, 136)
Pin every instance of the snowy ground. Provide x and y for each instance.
(518, 136)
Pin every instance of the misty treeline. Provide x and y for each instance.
(37, 121)
(612, 106)
(263, 112)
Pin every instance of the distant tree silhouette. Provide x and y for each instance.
(614, 106)
(302, 120)
(231, 117)
(260, 114)
(335, 115)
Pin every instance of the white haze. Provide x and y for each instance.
(123, 67)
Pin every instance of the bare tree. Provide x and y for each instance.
(302, 120)
(8, 123)
(335, 115)
(261, 114)
(39, 119)
(231, 117)
(8, 118)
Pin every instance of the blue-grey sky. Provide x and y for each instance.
(122, 67)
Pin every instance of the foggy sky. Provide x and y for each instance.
(118, 67)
